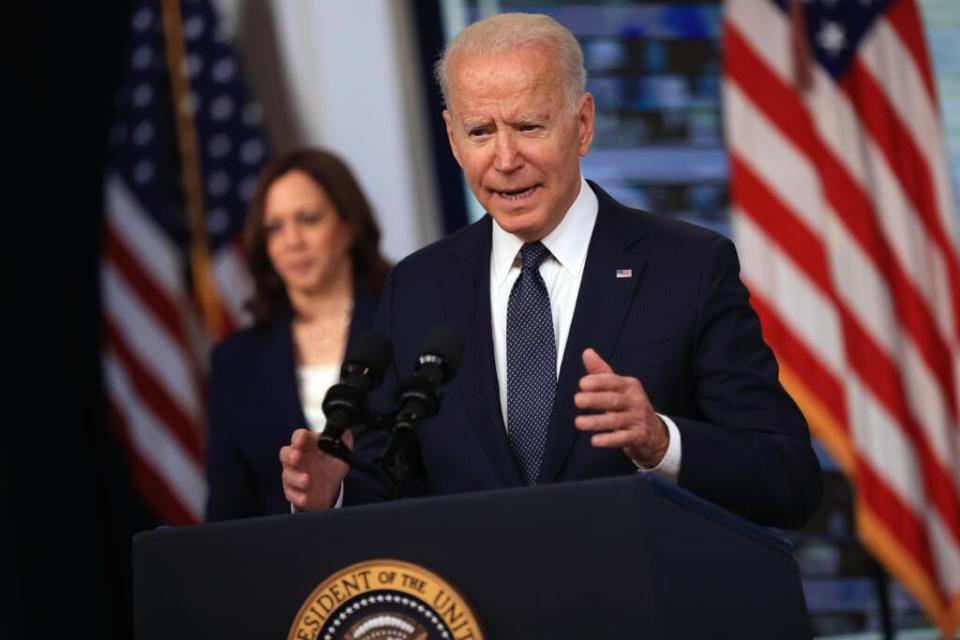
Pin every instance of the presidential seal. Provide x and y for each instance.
(385, 600)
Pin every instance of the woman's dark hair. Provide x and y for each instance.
(329, 171)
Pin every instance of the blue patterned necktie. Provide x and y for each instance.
(531, 362)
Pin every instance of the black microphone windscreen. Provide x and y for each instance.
(371, 350)
(447, 342)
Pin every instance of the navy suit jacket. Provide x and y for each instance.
(254, 407)
(681, 324)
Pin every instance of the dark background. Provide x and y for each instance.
(66, 502)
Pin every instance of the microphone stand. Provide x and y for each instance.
(378, 468)
(401, 463)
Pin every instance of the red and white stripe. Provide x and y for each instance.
(156, 352)
(234, 285)
(845, 221)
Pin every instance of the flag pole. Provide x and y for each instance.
(201, 267)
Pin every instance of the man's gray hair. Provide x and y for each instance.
(508, 31)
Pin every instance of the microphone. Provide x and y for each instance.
(419, 394)
(345, 403)
(419, 397)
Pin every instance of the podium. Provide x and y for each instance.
(627, 557)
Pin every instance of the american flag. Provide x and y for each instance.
(845, 220)
(186, 139)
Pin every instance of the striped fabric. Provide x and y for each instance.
(155, 336)
(845, 221)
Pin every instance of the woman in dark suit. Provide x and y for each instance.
(312, 245)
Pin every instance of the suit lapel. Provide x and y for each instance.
(467, 292)
(279, 369)
(603, 302)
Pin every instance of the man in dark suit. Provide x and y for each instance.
(599, 340)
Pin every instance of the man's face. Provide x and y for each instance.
(516, 137)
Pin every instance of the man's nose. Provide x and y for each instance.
(508, 156)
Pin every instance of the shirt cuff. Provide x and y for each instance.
(336, 505)
(669, 466)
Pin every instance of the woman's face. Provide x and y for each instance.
(307, 241)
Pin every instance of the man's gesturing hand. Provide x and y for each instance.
(311, 478)
(628, 420)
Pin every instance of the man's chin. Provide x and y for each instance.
(527, 226)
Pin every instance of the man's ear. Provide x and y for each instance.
(586, 110)
(448, 119)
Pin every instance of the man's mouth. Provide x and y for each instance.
(516, 194)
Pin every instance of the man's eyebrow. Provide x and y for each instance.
(530, 118)
(527, 118)
(473, 123)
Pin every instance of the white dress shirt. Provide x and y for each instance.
(313, 382)
(562, 272)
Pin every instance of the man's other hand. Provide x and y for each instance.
(628, 421)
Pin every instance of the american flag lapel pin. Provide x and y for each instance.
(624, 273)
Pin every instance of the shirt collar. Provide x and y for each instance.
(567, 243)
